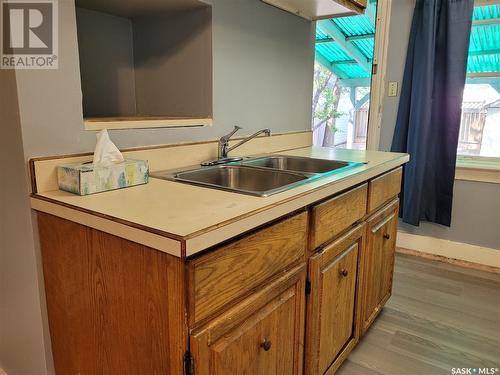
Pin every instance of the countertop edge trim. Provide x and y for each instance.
(144, 237)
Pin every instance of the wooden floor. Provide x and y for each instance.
(439, 317)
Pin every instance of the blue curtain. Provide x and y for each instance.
(429, 113)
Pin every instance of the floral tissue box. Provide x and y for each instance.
(84, 179)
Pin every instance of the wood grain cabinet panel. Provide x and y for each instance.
(114, 306)
(331, 308)
(230, 272)
(378, 262)
(333, 216)
(384, 188)
(261, 335)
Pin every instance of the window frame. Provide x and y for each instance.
(479, 168)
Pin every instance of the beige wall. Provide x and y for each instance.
(22, 346)
(262, 75)
(476, 205)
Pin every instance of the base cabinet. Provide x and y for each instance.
(292, 297)
(261, 335)
(378, 262)
(332, 303)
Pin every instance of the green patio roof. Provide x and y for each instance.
(484, 48)
(345, 44)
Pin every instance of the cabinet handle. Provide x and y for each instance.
(266, 345)
(344, 272)
(387, 236)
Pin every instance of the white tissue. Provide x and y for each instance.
(106, 153)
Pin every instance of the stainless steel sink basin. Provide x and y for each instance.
(242, 179)
(262, 176)
(298, 164)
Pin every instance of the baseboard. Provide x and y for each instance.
(462, 254)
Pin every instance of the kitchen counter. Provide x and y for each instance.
(183, 219)
(260, 297)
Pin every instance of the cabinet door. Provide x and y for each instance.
(261, 335)
(378, 262)
(331, 307)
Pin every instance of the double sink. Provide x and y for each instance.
(261, 176)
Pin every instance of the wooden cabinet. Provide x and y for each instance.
(331, 307)
(243, 307)
(114, 306)
(378, 262)
(261, 335)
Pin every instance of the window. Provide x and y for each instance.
(342, 79)
(480, 125)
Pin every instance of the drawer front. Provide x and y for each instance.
(232, 271)
(384, 188)
(333, 216)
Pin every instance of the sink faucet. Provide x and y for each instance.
(224, 148)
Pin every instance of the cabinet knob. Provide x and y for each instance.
(266, 345)
(387, 236)
(344, 272)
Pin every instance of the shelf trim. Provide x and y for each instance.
(93, 124)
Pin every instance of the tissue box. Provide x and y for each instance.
(84, 179)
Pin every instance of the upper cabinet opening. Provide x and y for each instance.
(145, 63)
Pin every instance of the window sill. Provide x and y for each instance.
(478, 169)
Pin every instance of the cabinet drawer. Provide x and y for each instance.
(384, 188)
(233, 270)
(333, 216)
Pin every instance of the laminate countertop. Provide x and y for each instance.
(183, 219)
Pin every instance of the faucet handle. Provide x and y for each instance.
(227, 136)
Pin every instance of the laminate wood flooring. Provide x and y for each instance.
(440, 317)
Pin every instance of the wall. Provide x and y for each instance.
(173, 63)
(399, 32)
(476, 205)
(106, 47)
(262, 74)
(22, 346)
